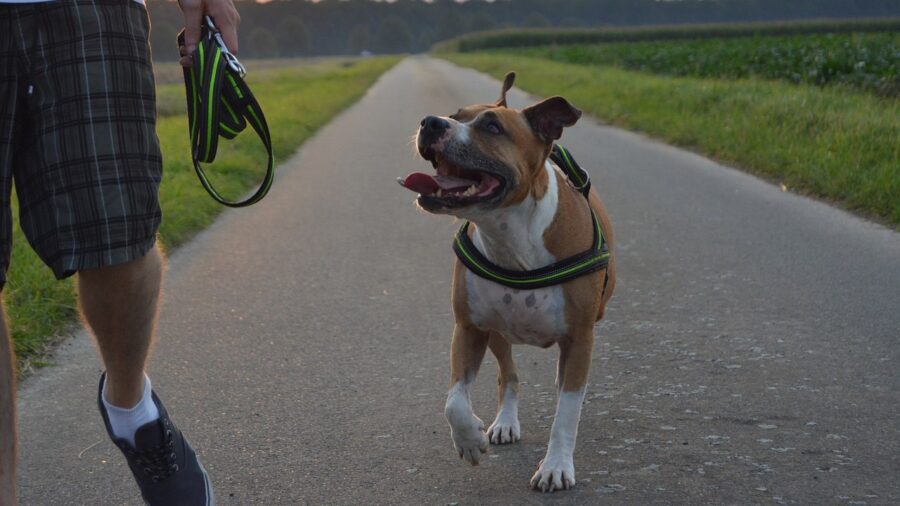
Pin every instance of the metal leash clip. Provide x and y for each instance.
(230, 58)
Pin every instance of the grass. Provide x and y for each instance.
(297, 100)
(834, 143)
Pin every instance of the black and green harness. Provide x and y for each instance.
(591, 260)
(220, 104)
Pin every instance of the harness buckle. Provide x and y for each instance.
(230, 58)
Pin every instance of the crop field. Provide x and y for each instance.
(533, 37)
(869, 61)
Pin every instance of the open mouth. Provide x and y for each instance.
(453, 186)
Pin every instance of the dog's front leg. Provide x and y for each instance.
(505, 428)
(466, 429)
(557, 470)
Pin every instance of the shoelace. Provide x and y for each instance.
(158, 463)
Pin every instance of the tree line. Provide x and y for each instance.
(290, 28)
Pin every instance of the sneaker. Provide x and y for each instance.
(164, 465)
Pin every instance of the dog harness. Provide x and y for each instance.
(219, 103)
(591, 260)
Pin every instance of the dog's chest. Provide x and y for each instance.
(535, 317)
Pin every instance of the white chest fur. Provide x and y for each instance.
(533, 317)
(514, 237)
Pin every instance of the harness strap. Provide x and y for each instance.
(219, 103)
(578, 177)
(591, 260)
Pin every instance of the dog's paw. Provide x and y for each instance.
(554, 473)
(504, 430)
(469, 439)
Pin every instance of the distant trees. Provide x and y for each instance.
(296, 28)
(293, 37)
(481, 21)
(537, 20)
(394, 36)
(359, 40)
(450, 25)
(163, 34)
(262, 44)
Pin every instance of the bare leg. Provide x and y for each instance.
(7, 417)
(505, 428)
(557, 470)
(119, 304)
(466, 429)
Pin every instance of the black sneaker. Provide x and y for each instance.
(164, 465)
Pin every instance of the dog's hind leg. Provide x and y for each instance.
(466, 429)
(505, 428)
(557, 470)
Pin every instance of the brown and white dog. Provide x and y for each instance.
(493, 170)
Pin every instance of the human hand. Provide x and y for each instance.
(224, 15)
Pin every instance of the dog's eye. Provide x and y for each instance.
(493, 127)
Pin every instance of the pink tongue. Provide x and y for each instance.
(427, 184)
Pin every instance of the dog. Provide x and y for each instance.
(493, 170)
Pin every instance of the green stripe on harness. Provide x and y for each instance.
(593, 259)
(220, 104)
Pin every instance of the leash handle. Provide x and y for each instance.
(220, 104)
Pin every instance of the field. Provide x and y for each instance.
(816, 113)
(868, 61)
(511, 38)
(297, 96)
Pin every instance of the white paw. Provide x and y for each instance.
(554, 473)
(504, 430)
(469, 439)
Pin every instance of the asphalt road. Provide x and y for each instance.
(749, 356)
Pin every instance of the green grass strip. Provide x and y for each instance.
(297, 100)
(834, 143)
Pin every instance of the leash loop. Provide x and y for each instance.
(220, 104)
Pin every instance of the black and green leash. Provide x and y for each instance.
(591, 260)
(220, 104)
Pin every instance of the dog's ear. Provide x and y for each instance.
(507, 84)
(548, 118)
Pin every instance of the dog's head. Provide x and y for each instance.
(487, 156)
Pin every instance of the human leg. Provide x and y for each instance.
(89, 205)
(11, 93)
(7, 417)
(119, 304)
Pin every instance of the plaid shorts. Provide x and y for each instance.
(77, 132)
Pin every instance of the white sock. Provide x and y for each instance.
(126, 421)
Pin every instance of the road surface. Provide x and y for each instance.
(750, 354)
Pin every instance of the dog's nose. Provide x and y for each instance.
(434, 124)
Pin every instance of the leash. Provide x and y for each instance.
(591, 260)
(220, 104)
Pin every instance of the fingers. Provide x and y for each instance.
(224, 15)
(185, 60)
(227, 20)
(193, 18)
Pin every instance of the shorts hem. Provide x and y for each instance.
(114, 256)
